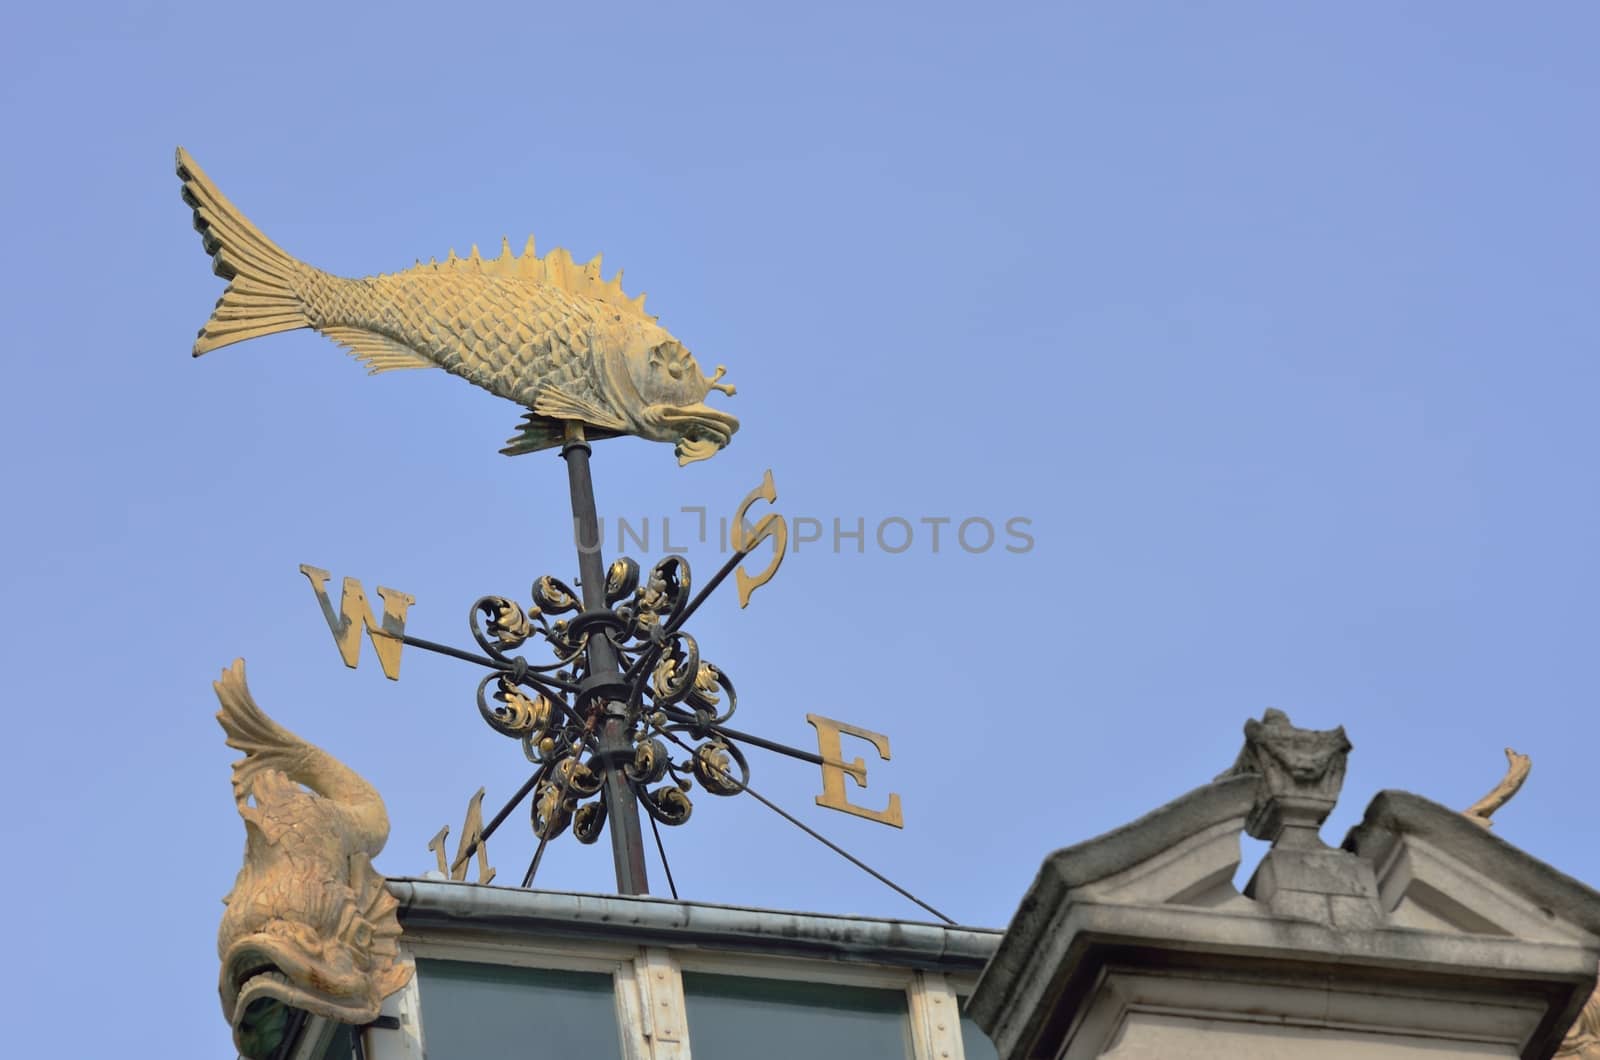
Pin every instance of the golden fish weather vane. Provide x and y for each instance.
(626, 715)
(546, 332)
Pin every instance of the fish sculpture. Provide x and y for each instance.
(546, 333)
(308, 924)
(1518, 766)
(1583, 1039)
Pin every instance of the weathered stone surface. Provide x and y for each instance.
(1305, 884)
(1150, 1036)
(1300, 774)
(1355, 914)
(1396, 816)
(1319, 871)
(1486, 951)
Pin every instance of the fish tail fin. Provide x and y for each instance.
(260, 298)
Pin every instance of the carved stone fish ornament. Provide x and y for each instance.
(309, 924)
(546, 332)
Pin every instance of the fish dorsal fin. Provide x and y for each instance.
(556, 269)
(381, 353)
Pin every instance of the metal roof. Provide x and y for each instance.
(446, 905)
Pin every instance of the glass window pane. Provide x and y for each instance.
(343, 1046)
(736, 1018)
(496, 1012)
(974, 1041)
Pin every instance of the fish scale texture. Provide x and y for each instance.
(508, 335)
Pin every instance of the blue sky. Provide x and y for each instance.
(1275, 321)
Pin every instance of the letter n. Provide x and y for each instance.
(355, 614)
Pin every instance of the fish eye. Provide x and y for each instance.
(672, 356)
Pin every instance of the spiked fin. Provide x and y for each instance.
(534, 432)
(379, 352)
(260, 298)
(557, 269)
(538, 432)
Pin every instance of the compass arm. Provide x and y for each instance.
(505, 811)
(551, 686)
(647, 662)
(677, 714)
(710, 587)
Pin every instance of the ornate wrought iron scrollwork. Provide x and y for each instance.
(551, 812)
(715, 763)
(552, 596)
(589, 821)
(674, 699)
(518, 715)
(650, 761)
(677, 671)
(508, 625)
(667, 804)
(622, 579)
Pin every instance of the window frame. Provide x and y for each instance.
(652, 1012)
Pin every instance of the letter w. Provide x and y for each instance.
(355, 614)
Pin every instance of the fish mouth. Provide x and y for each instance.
(702, 430)
(261, 982)
(261, 1013)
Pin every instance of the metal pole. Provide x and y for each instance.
(605, 675)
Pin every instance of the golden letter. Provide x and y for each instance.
(772, 525)
(471, 835)
(834, 769)
(436, 844)
(355, 614)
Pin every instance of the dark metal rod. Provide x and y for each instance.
(586, 528)
(627, 840)
(495, 822)
(841, 851)
(814, 834)
(544, 836)
(648, 659)
(538, 853)
(773, 745)
(533, 866)
(445, 649)
(756, 741)
(548, 685)
(711, 586)
(662, 850)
